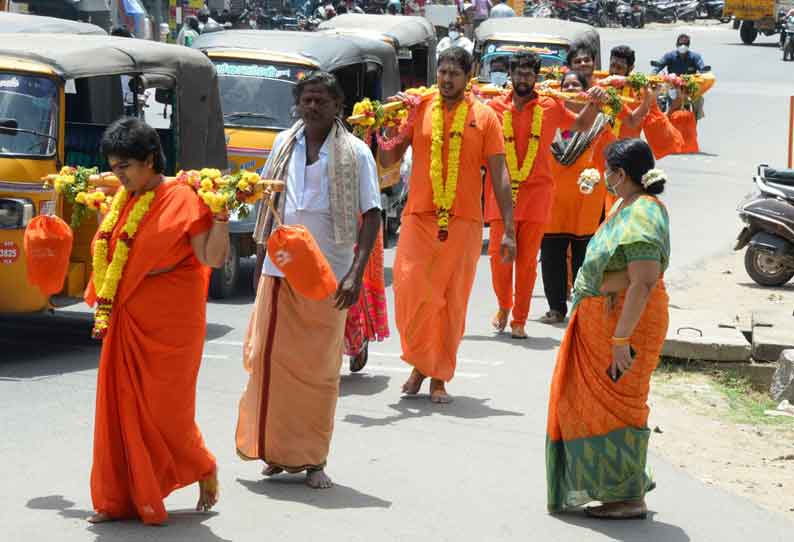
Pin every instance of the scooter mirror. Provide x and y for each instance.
(656, 64)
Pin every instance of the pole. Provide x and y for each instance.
(791, 132)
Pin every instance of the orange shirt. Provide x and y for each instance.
(535, 194)
(625, 131)
(482, 138)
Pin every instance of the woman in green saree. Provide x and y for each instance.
(597, 435)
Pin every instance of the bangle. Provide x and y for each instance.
(220, 220)
(621, 341)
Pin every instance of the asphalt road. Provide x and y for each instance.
(472, 470)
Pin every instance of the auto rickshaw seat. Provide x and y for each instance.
(780, 176)
(81, 145)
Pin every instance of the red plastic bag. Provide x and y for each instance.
(663, 138)
(296, 254)
(48, 245)
(684, 122)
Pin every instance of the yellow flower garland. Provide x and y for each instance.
(619, 123)
(444, 192)
(108, 275)
(518, 176)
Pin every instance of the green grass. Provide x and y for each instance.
(745, 405)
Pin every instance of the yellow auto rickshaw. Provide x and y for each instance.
(257, 72)
(58, 93)
(414, 39)
(550, 38)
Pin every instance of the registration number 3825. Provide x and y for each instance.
(9, 252)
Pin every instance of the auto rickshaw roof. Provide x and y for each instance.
(535, 29)
(328, 52)
(76, 56)
(408, 31)
(17, 23)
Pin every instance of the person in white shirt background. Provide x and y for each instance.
(455, 38)
(502, 10)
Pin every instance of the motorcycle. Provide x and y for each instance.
(712, 9)
(687, 10)
(623, 12)
(768, 234)
(591, 12)
(637, 14)
(666, 96)
(787, 39)
(661, 11)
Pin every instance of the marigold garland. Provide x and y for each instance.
(444, 191)
(107, 275)
(519, 176)
(618, 122)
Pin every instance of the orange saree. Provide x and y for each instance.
(597, 435)
(146, 441)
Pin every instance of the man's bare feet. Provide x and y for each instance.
(499, 321)
(414, 383)
(271, 470)
(99, 517)
(518, 331)
(438, 393)
(208, 493)
(619, 510)
(317, 479)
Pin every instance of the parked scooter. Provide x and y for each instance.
(712, 9)
(637, 14)
(687, 10)
(661, 11)
(623, 13)
(768, 213)
(591, 12)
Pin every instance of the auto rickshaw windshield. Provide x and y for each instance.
(257, 95)
(501, 57)
(31, 101)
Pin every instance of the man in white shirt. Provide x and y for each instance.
(293, 348)
(502, 10)
(455, 38)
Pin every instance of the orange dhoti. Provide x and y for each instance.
(528, 238)
(432, 284)
(293, 353)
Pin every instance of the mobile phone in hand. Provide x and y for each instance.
(618, 372)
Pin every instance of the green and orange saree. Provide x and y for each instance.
(597, 435)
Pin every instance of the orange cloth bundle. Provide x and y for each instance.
(663, 138)
(684, 122)
(48, 245)
(296, 254)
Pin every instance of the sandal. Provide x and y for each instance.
(359, 361)
(499, 321)
(414, 383)
(623, 510)
(552, 317)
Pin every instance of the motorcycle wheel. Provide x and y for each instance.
(765, 269)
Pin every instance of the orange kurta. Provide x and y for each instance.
(146, 441)
(685, 123)
(433, 279)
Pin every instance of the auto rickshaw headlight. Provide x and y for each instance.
(15, 213)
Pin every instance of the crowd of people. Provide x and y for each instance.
(603, 255)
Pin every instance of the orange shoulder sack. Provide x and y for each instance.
(48, 245)
(295, 253)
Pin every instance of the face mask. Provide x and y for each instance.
(499, 79)
(612, 188)
(453, 35)
(683, 49)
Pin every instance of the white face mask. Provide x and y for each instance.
(683, 49)
(454, 34)
(499, 79)
(612, 188)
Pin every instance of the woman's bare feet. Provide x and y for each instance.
(619, 510)
(99, 517)
(271, 470)
(414, 383)
(499, 321)
(208, 493)
(438, 393)
(317, 479)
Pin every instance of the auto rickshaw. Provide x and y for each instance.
(257, 72)
(58, 93)
(550, 38)
(414, 39)
(17, 23)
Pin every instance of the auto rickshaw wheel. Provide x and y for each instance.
(223, 281)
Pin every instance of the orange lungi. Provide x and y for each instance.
(293, 353)
(432, 283)
(528, 238)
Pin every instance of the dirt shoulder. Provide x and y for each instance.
(712, 426)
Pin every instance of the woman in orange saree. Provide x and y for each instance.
(597, 435)
(146, 441)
